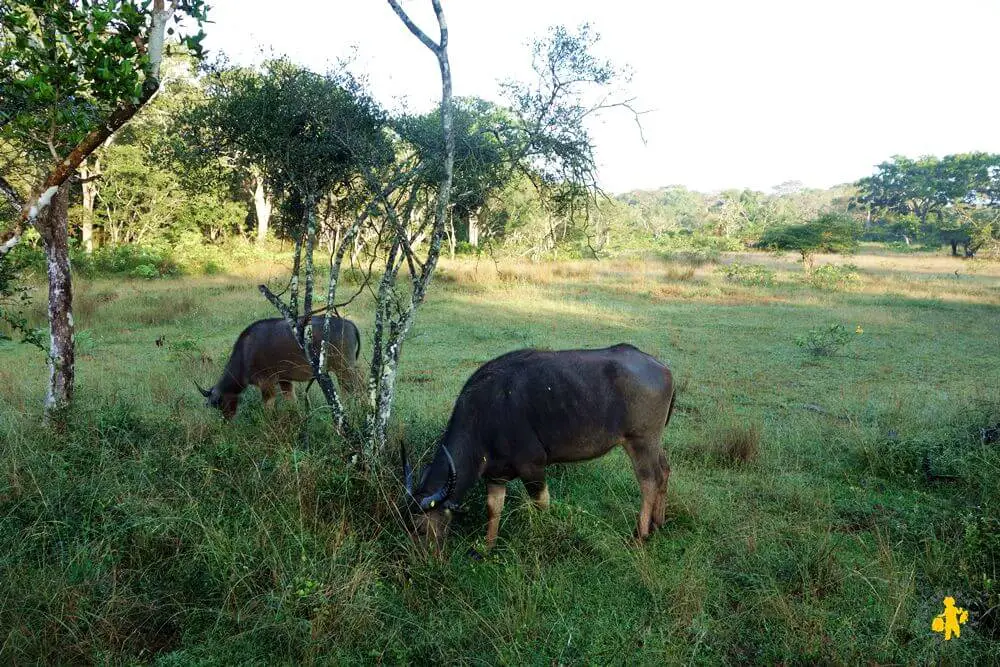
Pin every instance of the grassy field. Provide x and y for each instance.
(820, 507)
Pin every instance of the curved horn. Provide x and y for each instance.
(445, 491)
(407, 471)
(204, 393)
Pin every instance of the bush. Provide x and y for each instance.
(751, 275)
(826, 341)
(145, 271)
(830, 232)
(833, 276)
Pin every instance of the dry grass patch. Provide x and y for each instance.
(732, 442)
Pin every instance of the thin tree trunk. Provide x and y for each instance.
(262, 208)
(451, 234)
(52, 228)
(384, 375)
(89, 187)
(474, 229)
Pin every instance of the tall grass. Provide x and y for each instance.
(819, 509)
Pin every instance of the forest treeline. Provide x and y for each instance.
(183, 187)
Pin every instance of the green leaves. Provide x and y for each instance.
(830, 232)
(64, 66)
(306, 131)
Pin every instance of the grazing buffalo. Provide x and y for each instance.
(530, 408)
(266, 354)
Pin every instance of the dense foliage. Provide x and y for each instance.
(951, 200)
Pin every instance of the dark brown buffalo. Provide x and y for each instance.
(267, 355)
(530, 408)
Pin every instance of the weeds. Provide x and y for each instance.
(826, 341)
(750, 275)
(834, 277)
(734, 442)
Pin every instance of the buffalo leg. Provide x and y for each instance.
(646, 463)
(495, 494)
(539, 492)
(288, 389)
(660, 504)
(267, 394)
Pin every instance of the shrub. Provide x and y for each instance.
(826, 341)
(751, 275)
(830, 232)
(833, 276)
(146, 271)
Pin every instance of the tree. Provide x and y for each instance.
(972, 227)
(913, 196)
(72, 73)
(309, 133)
(487, 157)
(830, 232)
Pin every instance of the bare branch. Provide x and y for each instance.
(415, 29)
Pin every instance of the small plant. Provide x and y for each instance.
(145, 271)
(834, 276)
(84, 341)
(826, 341)
(751, 275)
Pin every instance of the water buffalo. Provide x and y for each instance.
(529, 408)
(267, 355)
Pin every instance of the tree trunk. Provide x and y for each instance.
(474, 229)
(385, 359)
(89, 187)
(451, 234)
(53, 229)
(262, 208)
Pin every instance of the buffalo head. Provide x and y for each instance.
(430, 509)
(215, 398)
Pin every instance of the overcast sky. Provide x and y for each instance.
(740, 93)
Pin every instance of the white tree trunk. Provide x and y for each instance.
(53, 229)
(262, 208)
(89, 187)
(474, 229)
(385, 360)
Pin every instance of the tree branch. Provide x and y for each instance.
(415, 29)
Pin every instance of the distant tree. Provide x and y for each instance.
(972, 227)
(72, 73)
(745, 214)
(830, 232)
(912, 197)
(487, 157)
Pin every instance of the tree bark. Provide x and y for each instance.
(262, 208)
(89, 187)
(53, 229)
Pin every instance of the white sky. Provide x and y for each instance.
(741, 93)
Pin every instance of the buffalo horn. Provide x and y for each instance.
(204, 393)
(446, 490)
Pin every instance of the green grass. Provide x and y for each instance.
(801, 524)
